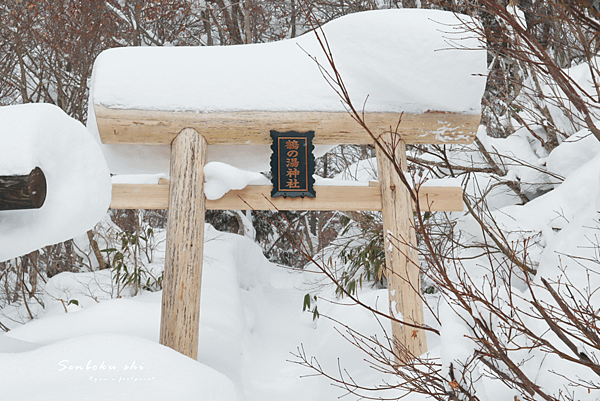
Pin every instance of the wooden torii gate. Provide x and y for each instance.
(190, 133)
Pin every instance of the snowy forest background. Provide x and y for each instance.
(511, 283)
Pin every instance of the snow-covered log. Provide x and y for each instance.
(331, 128)
(23, 191)
(78, 181)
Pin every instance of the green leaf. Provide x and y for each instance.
(306, 303)
(352, 287)
(74, 302)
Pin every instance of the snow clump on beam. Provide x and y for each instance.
(78, 180)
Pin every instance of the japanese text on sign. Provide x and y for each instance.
(292, 164)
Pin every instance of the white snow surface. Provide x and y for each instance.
(401, 59)
(573, 153)
(251, 314)
(77, 177)
(442, 182)
(251, 320)
(559, 233)
(363, 171)
(110, 367)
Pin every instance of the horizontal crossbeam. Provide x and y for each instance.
(257, 197)
(252, 127)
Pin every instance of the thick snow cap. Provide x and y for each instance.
(402, 59)
(78, 181)
(406, 60)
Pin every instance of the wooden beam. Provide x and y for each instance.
(328, 198)
(258, 197)
(252, 127)
(18, 192)
(140, 196)
(180, 312)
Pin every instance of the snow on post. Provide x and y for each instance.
(78, 182)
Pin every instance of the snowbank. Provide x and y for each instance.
(573, 153)
(251, 319)
(110, 367)
(78, 181)
(558, 234)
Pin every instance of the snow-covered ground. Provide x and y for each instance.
(251, 321)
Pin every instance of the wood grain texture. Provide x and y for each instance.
(258, 197)
(402, 260)
(252, 127)
(180, 315)
(18, 192)
(140, 196)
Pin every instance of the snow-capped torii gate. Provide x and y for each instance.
(194, 97)
(190, 133)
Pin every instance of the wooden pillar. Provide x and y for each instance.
(401, 259)
(180, 316)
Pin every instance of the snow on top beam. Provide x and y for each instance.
(392, 61)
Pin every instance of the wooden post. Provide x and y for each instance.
(401, 258)
(180, 317)
(23, 191)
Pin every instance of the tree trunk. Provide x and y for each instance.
(206, 21)
(96, 250)
(247, 26)
(293, 24)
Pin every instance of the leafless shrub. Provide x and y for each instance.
(510, 332)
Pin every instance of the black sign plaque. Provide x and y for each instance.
(292, 164)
